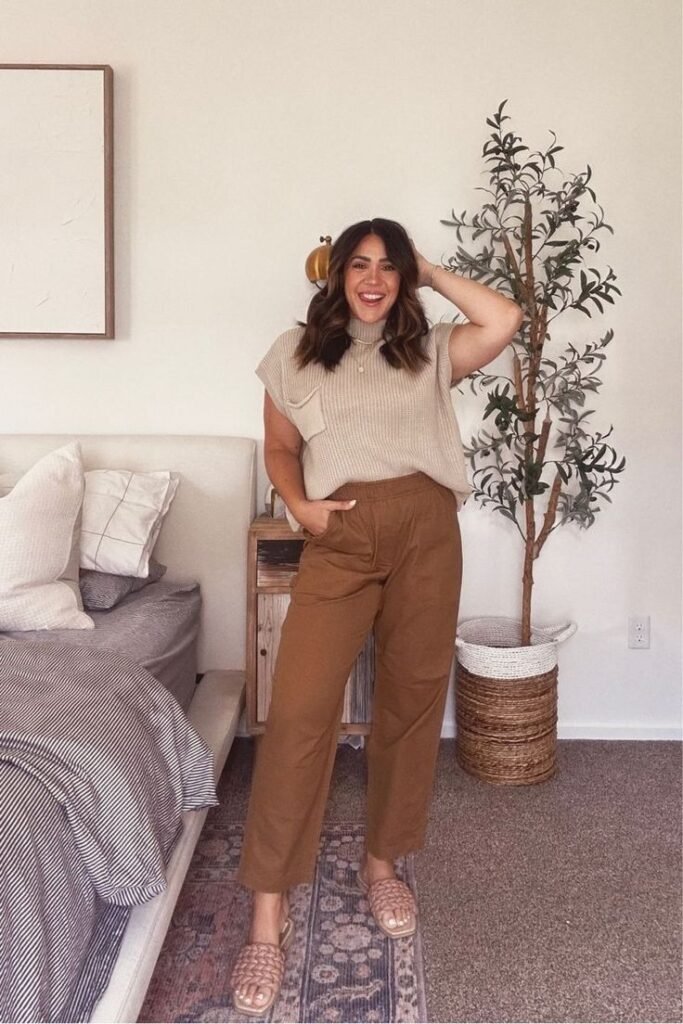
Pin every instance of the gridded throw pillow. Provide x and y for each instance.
(38, 519)
(102, 591)
(122, 516)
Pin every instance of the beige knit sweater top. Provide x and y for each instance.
(366, 420)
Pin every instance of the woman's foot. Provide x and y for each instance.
(391, 902)
(257, 974)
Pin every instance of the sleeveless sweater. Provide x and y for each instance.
(365, 420)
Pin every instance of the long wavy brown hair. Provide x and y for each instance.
(325, 339)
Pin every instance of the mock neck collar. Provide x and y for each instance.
(365, 332)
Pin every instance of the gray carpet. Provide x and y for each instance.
(557, 902)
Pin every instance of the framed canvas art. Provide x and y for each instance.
(56, 201)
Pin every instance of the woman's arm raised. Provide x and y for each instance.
(493, 318)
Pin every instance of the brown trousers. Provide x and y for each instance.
(393, 561)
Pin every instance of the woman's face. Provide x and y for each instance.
(371, 282)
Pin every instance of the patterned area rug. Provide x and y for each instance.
(340, 967)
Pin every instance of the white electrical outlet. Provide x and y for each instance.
(639, 632)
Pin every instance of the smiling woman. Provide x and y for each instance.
(373, 276)
(371, 281)
(362, 443)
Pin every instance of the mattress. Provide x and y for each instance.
(157, 628)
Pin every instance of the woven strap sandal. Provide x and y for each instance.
(387, 897)
(261, 964)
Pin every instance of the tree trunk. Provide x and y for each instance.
(535, 344)
(528, 574)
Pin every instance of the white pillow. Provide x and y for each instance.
(71, 575)
(37, 522)
(122, 516)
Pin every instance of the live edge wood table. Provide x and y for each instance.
(273, 560)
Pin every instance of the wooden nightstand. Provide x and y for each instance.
(273, 559)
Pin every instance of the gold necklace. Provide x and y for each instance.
(369, 347)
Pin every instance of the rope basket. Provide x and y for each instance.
(506, 701)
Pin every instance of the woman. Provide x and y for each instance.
(362, 443)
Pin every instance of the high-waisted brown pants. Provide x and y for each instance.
(393, 561)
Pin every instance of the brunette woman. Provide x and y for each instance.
(362, 442)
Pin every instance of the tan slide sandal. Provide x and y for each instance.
(262, 964)
(387, 896)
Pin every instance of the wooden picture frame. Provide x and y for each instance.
(56, 201)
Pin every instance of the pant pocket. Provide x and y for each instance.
(319, 536)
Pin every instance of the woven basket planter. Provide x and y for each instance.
(506, 701)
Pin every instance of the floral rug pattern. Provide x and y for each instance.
(340, 967)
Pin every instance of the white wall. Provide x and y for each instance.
(245, 130)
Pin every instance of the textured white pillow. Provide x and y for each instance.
(37, 522)
(122, 516)
(71, 575)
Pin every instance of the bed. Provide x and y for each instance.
(203, 539)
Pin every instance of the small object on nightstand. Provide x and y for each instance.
(275, 506)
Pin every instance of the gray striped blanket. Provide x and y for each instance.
(97, 764)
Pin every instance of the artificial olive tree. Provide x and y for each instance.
(539, 465)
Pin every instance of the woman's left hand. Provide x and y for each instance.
(425, 269)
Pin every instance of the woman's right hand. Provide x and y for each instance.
(314, 515)
(425, 269)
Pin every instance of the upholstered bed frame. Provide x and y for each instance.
(204, 537)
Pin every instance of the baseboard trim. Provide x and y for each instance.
(598, 731)
(575, 731)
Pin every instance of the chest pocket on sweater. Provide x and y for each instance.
(307, 414)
